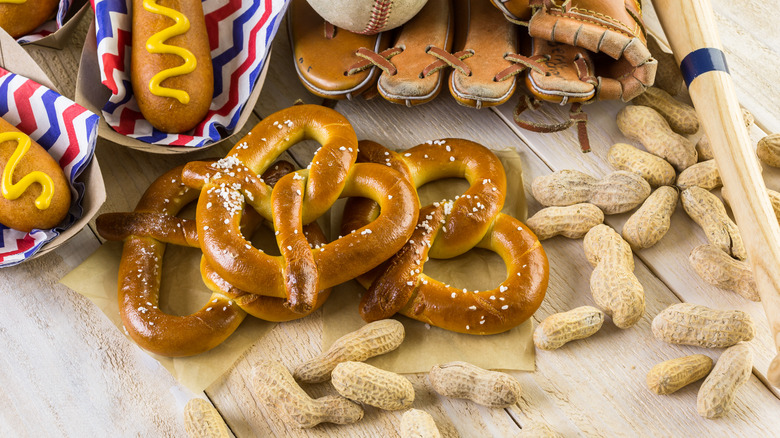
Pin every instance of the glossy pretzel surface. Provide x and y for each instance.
(447, 229)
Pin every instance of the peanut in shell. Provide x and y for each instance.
(692, 324)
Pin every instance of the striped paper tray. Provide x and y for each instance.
(65, 17)
(240, 34)
(68, 132)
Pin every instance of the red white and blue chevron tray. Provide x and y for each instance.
(240, 34)
(67, 131)
(51, 26)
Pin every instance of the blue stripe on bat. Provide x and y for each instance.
(702, 61)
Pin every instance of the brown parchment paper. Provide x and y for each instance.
(426, 346)
(182, 292)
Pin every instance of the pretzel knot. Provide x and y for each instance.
(447, 229)
(297, 199)
(146, 232)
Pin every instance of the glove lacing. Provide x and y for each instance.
(576, 115)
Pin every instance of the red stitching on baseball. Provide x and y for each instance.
(380, 14)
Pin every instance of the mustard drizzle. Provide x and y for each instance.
(156, 44)
(15, 2)
(12, 191)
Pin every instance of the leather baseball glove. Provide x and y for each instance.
(590, 49)
(582, 51)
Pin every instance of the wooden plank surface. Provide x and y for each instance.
(569, 279)
(751, 40)
(67, 371)
(669, 258)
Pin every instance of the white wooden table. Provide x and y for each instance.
(65, 370)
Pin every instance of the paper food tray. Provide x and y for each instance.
(240, 63)
(56, 32)
(67, 130)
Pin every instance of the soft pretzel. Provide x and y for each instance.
(298, 199)
(34, 192)
(447, 229)
(141, 268)
(145, 233)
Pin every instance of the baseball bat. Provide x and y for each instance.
(690, 28)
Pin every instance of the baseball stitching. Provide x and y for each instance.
(380, 13)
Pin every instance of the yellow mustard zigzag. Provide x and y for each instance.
(12, 191)
(156, 44)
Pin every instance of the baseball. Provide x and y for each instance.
(367, 17)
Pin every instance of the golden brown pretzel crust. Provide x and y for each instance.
(21, 19)
(166, 113)
(146, 231)
(449, 229)
(489, 311)
(260, 306)
(474, 211)
(140, 275)
(21, 213)
(300, 271)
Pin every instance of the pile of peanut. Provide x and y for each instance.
(359, 384)
(671, 168)
(575, 206)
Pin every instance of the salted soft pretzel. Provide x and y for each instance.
(298, 198)
(145, 232)
(447, 229)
